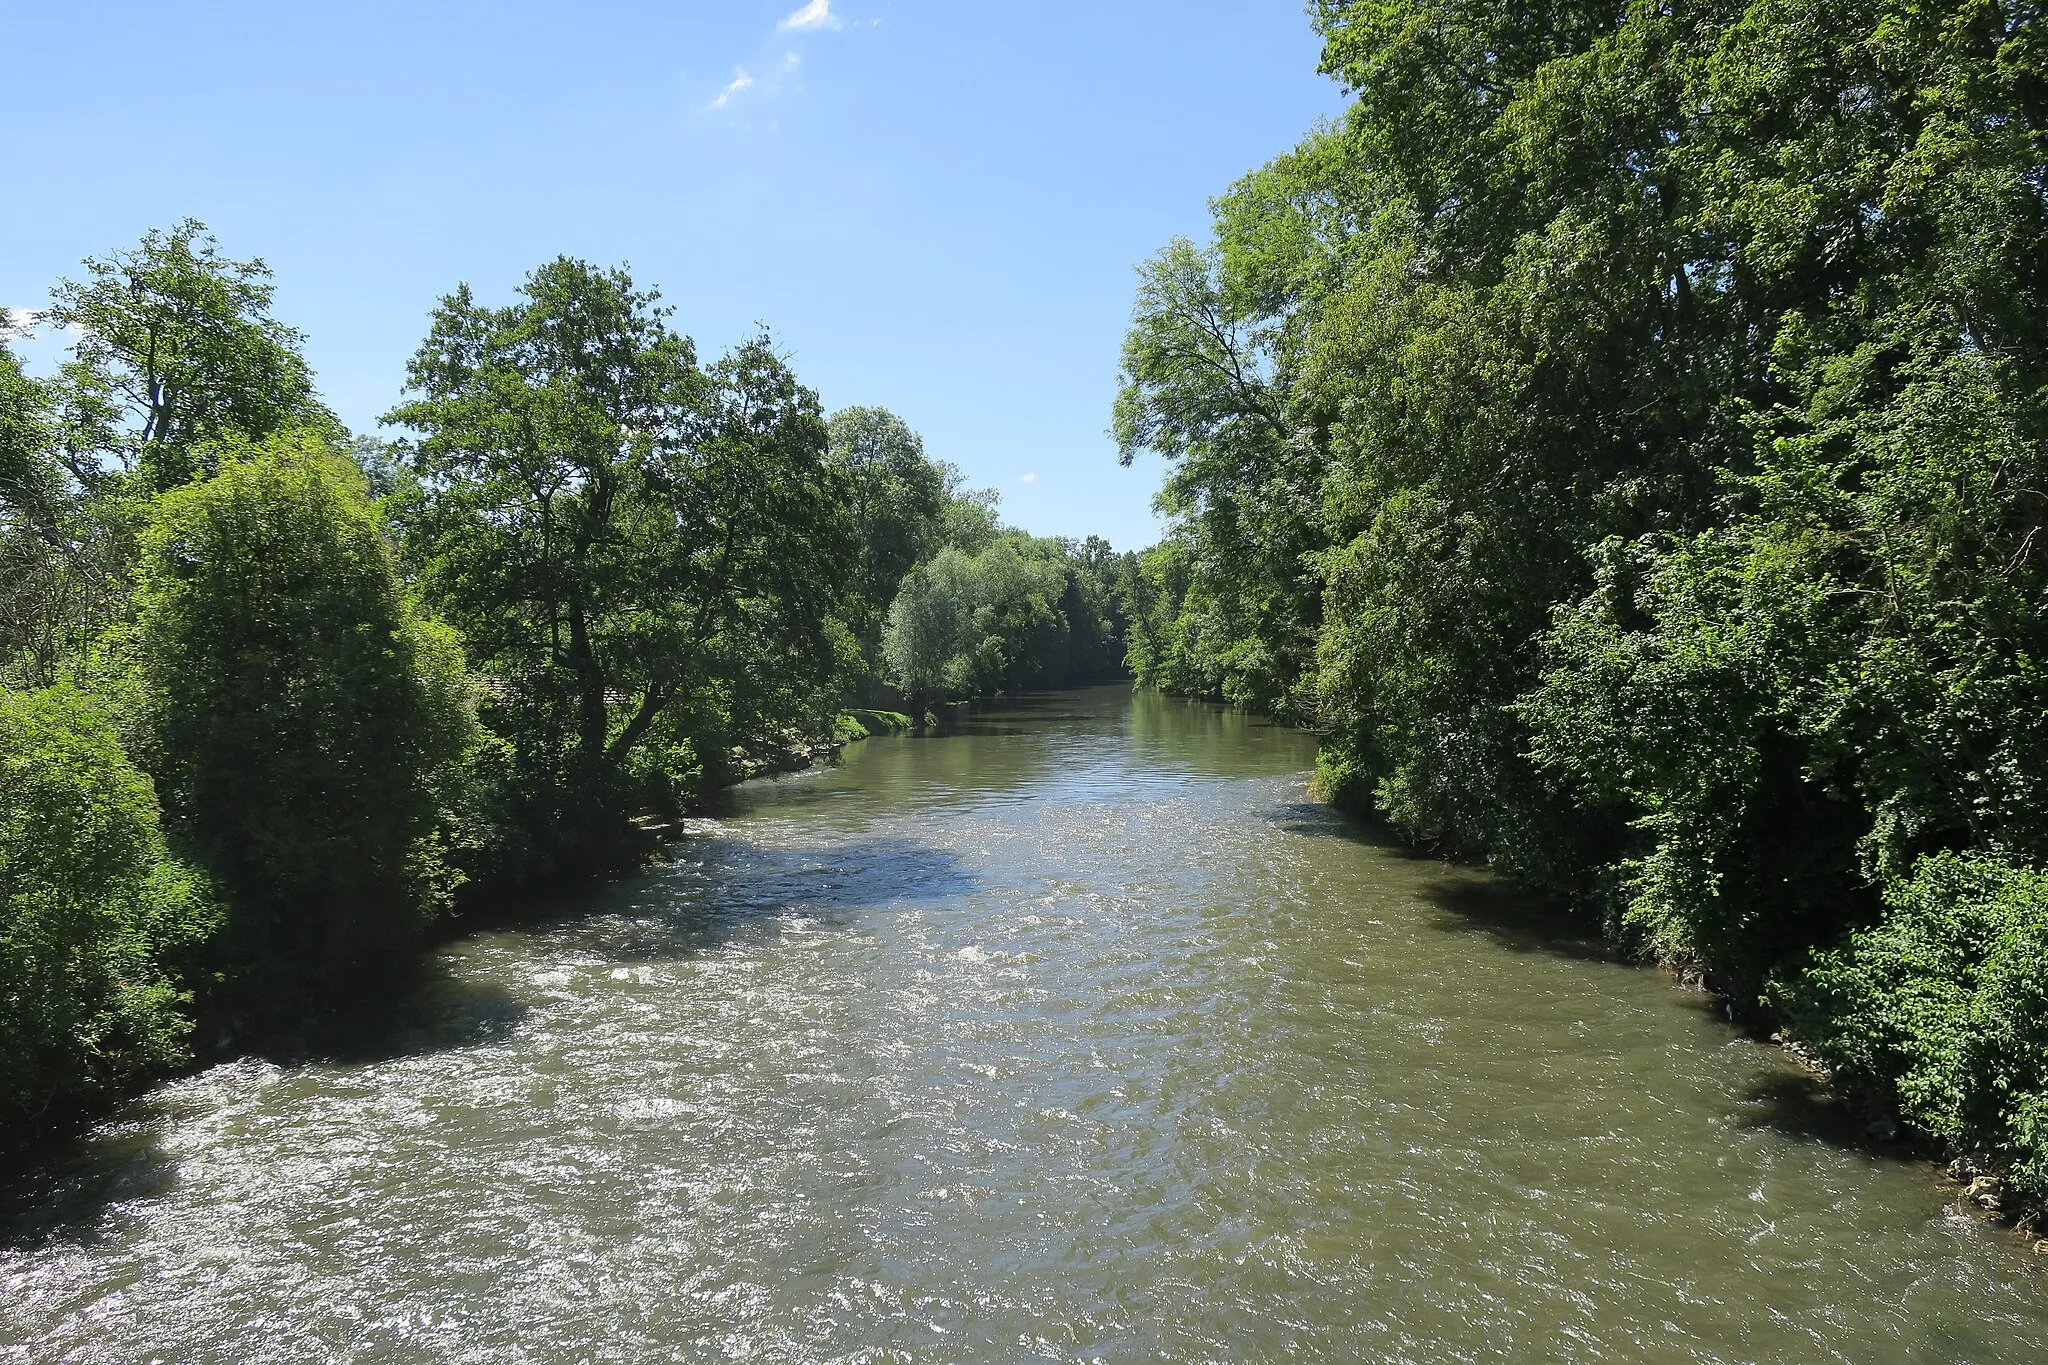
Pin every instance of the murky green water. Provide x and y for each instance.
(1079, 1036)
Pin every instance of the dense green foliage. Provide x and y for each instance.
(897, 500)
(1621, 435)
(589, 581)
(1942, 1009)
(638, 551)
(1020, 612)
(296, 709)
(92, 907)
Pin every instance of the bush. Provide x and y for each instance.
(1942, 1009)
(90, 905)
(300, 715)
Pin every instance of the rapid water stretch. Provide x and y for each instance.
(1079, 1034)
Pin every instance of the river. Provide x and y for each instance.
(1081, 1034)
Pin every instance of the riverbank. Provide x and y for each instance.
(1979, 1181)
(1984, 1179)
(294, 1030)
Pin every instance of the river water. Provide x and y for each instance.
(1078, 1035)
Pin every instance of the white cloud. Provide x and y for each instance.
(739, 82)
(817, 14)
(791, 61)
(16, 322)
(1029, 478)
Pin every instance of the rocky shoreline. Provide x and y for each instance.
(1980, 1180)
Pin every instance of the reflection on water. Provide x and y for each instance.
(1080, 1035)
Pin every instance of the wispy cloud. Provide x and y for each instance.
(15, 322)
(1029, 478)
(779, 64)
(739, 82)
(817, 14)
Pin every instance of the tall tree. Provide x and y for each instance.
(621, 535)
(896, 498)
(62, 553)
(1201, 384)
(175, 347)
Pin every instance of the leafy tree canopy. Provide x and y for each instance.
(175, 347)
(620, 534)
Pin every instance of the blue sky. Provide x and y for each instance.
(935, 208)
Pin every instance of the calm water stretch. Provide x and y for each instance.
(1078, 1035)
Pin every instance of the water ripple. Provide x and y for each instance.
(1080, 1036)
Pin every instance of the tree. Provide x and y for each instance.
(896, 499)
(61, 553)
(1011, 616)
(923, 630)
(297, 709)
(33, 599)
(971, 519)
(91, 905)
(176, 348)
(1092, 604)
(1203, 384)
(621, 536)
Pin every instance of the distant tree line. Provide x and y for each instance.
(277, 695)
(1620, 433)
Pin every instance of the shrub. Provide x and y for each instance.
(1942, 1009)
(299, 713)
(90, 905)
